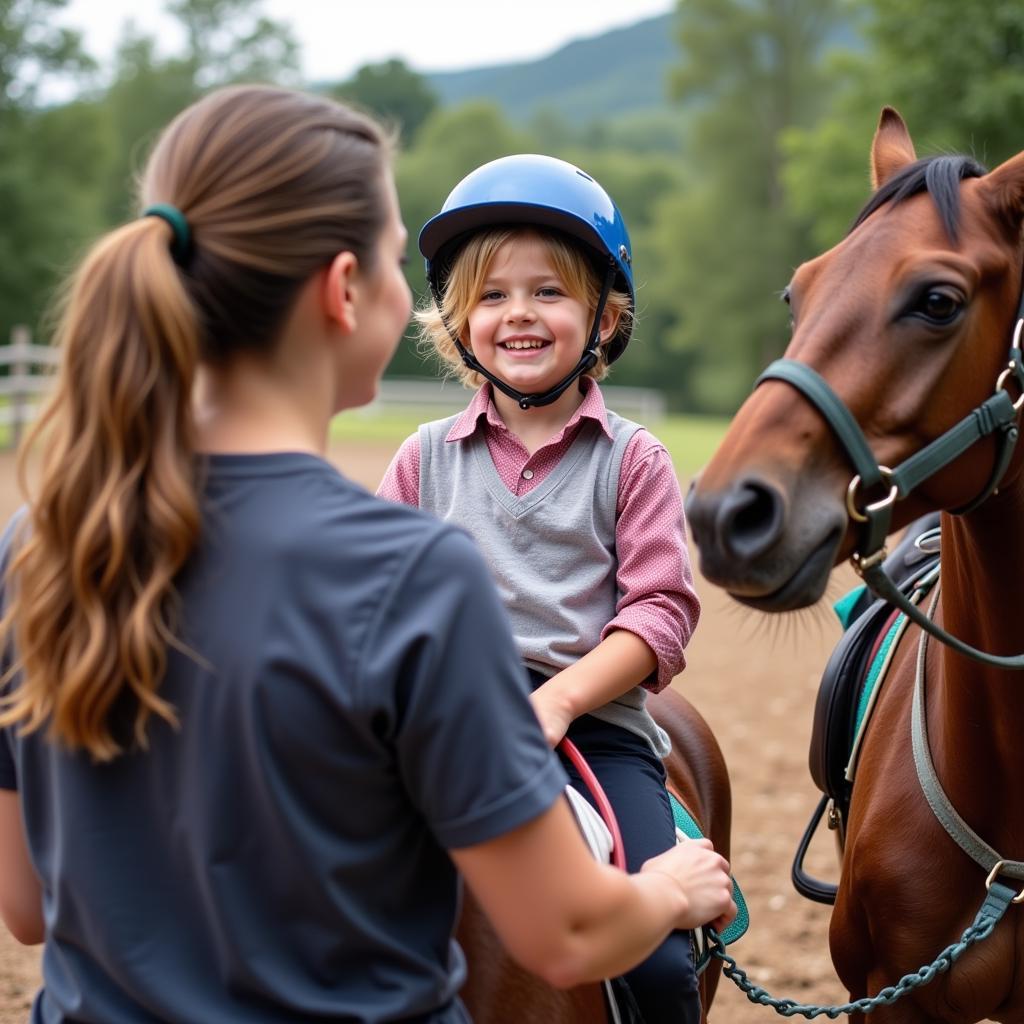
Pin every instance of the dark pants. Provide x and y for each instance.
(633, 778)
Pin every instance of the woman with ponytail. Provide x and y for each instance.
(244, 743)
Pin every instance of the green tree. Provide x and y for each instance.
(234, 41)
(46, 187)
(923, 59)
(753, 69)
(396, 94)
(955, 70)
(31, 48)
(226, 41)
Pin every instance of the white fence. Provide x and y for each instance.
(30, 367)
(29, 373)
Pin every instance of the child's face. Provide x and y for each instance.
(526, 328)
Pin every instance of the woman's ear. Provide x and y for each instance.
(341, 291)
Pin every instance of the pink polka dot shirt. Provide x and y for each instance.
(657, 600)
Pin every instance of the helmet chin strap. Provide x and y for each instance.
(586, 361)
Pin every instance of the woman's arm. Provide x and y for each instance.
(21, 900)
(570, 920)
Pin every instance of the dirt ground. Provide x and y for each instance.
(755, 680)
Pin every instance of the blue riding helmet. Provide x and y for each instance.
(530, 189)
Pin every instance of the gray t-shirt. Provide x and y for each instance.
(359, 707)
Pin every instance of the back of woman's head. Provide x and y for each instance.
(270, 185)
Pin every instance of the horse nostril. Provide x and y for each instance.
(750, 520)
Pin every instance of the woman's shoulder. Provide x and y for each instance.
(401, 534)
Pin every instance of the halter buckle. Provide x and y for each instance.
(996, 868)
(851, 496)
(861, 563)
(1011, 371)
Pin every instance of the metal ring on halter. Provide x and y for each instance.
(1001, 380)
(1019, 898)
(851, 495)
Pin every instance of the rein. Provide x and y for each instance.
(996, 415)
(604, 807)
(960, 832)
(998, 897)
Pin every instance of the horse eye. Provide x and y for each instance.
(939, 306)
(787, 298)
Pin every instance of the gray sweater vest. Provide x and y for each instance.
(551, 551)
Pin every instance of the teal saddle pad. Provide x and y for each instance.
(686, 824)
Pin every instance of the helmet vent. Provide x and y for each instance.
(583, 175)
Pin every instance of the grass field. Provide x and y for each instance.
(689, 439)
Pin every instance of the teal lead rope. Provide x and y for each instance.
(998, 898)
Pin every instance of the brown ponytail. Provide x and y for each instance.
(273, 184)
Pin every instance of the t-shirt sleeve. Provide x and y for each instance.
(8, 771)
(446, 676)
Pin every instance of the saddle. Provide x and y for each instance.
(849, 688)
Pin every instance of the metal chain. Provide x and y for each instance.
(998, 899)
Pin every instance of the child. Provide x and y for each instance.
(240, 693)
(577, 510)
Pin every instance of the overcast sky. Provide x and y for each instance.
(337, 36)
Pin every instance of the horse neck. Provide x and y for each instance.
(976, 710)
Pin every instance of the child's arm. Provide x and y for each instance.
(618, 663)
(401, 482)
(657, 599)
(657, 608)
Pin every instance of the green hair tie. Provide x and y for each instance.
(182, 244)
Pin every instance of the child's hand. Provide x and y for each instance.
(552, 713)
(703, 875)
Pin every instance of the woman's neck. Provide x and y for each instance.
(248, 408)
(535, 426)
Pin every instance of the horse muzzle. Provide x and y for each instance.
(755, 545)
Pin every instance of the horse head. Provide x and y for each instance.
(908, 322)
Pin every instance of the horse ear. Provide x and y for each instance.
(1003, 188)
(891, 148)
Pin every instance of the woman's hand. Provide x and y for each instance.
(703, 876)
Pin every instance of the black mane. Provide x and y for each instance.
(938, 175)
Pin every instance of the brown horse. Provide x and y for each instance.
(908, 322)
(497, 991)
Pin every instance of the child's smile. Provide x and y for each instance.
(525, 344)
(526, 328)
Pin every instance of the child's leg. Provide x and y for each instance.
(633, 777)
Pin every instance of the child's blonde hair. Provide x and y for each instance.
(464, 284)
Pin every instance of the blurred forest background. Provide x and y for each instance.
(733, 134)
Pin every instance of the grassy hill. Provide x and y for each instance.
(623, 71)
